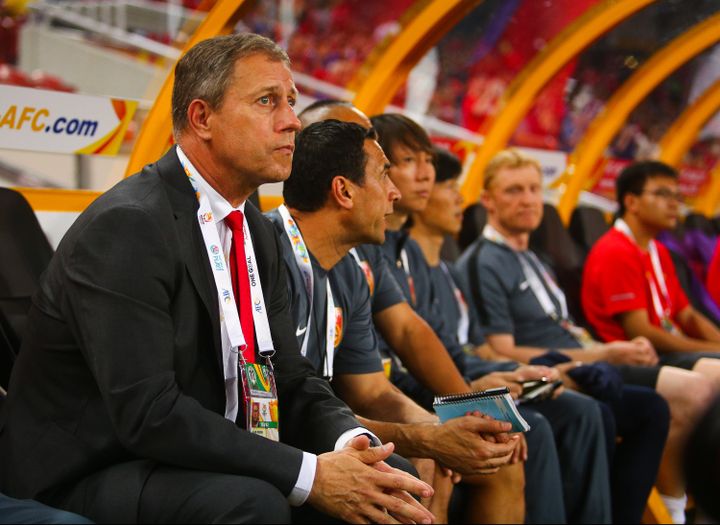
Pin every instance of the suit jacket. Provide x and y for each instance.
(122, 358)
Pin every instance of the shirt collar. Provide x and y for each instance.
(220, 207)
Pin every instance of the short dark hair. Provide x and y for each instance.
(204, 72)
(393, 128)
(324, 103)
(633, 178)
(324, 150)
(447, 165)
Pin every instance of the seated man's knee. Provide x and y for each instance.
(263, 503)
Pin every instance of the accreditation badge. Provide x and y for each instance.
(261, 400)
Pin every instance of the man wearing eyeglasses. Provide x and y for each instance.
(630, 287)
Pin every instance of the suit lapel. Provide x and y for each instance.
(185, 206)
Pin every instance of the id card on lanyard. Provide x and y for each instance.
(663, 312)
(302, 258)
(237, 372)
(535, 277)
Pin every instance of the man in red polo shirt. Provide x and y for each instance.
(630, 287)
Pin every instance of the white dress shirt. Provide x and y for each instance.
(221, 208)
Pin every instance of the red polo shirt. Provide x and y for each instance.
(616, 280)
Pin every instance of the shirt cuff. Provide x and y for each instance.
(345, 438)
(305, 480)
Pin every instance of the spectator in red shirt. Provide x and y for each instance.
(630, 287)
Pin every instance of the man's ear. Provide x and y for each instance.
(342, 191)
(199, 116)
(630, 201)
(485, 200)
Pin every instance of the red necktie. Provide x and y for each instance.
(241, 282)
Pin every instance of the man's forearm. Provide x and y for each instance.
(429, 362)
(700, 327)
(666, 342)
(410, 438)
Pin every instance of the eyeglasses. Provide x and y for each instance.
(666, 194)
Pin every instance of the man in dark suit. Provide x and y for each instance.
(122, 405)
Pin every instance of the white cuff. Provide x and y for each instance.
(305, 480)
(345, 438)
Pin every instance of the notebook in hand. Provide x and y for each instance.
(495, 402)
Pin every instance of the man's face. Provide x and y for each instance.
(658, 206)
(374, 199)
(515, 199)
(253, 131)
(414, 175)
(444, 210)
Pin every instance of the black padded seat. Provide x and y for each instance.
(554, 245)
(587, 225)
(474, 220)
(26, 253)
(698, 221)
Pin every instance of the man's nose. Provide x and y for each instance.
(288, 120)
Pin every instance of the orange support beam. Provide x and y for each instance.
(680, 137)
(381, 77)
(521, 94)
(605, 126)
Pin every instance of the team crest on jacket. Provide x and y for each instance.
(338, 326)
(369, 277)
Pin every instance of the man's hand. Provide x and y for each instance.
(638, 352)
(497, 380)
(471, 444)
(520, 454)
(355, 485)
(513, 380)
(442, 481)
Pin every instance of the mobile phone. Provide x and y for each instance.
(538, 390)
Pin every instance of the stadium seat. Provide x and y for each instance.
(698, 221)
(553, 243)
(474, 219)
(587, 225)
(450, 251)
(26, 253)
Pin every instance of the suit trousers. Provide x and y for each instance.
(175, 495)
(172, 495)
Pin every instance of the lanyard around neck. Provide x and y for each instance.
(302, 259)
(230, 318)
(535, 280)
(663, 313)
(463, 329)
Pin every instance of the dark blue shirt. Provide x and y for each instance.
(356, 350)
(504, 299)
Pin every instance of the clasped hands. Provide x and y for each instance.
(356, 485)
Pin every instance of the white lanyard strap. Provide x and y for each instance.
(229, 317)
(356, 256)
(330, 336)
(302, 258)
(222, 275)
(660, 311)
(405, 261)
(464, 322)
(534, 280)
